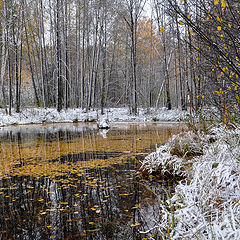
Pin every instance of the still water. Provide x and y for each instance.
(73, 181)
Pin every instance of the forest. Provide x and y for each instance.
(120, 53)
(119, 119)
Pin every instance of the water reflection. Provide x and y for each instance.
(74, 182)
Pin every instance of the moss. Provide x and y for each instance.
(155, 119)
(75, 120)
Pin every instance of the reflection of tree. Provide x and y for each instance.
(31, 201)
(93, 196)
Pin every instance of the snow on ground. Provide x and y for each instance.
(50, 115)
(206, 205)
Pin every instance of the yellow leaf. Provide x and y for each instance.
(181, 22)
(161, 29)
(135, 224)
(219, 28)
(230, 26)
(216, 2)
(188, 16)
(223, 3)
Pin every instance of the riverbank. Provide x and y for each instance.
(206, 203)
(51, 115)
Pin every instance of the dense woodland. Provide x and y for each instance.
(110, 53)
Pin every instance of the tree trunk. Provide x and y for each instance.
(58, 63)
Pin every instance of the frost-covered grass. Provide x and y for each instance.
(206, 204)
(50, 115)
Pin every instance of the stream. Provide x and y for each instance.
(73, 181)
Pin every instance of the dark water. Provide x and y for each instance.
(72, 181)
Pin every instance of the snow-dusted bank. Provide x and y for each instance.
(50, 115)
(206, 204)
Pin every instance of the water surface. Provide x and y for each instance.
(73, 181)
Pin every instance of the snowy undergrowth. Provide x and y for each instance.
(50, 115)
(175, 156)
(206, 205)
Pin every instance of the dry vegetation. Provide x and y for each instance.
(205, 204)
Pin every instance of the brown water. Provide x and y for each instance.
(73, 181)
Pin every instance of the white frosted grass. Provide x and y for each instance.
(207, 203)
(50, 115)
(103, 123)
(166, 161)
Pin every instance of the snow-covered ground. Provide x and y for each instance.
(206, 204)
(50, 115)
